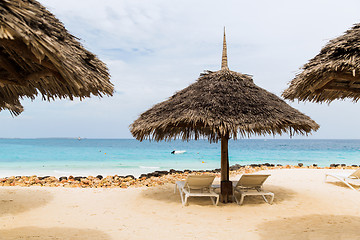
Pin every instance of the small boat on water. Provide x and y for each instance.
(178, 152)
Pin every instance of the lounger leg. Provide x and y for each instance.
(241, 199)
(186, 199)
(236, 199)
(212, 200)
(344, 181)
(272, 199)
(349, 185)
(181, 196)
(263, 196)
(215, 200)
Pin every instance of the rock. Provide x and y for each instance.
(153, 174)
(162, 173)
(300, 164)
(315, 165)
(78, 178)
(52, 179)
(99, 177)
(343, 165)
(62, 178)
(130, 176)
(234, 167)
(41, 178)
(143, 176)
(85, 181)
(128, 179)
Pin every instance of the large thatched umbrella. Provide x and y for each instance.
(38, 55)
(332, 74)
(221, 105)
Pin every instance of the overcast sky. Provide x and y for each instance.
(155, 48)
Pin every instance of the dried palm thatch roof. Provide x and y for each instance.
(332, 74)
(15, 108)
(218, 104)
(38, 55)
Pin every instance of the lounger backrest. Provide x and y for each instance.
(199, 181)
(252, 180)
(355, 174)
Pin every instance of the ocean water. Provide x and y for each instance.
(64, 157)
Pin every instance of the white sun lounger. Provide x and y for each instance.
(197, 186)
(347, 178)
(250, 185)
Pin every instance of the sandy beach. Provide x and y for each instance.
(305, 207)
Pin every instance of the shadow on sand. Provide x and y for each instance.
(166, 194)
(311, 227)
(17, 200)
(31, 233)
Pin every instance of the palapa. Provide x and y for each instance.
(38, 55)
(221, 105)
(332, 74)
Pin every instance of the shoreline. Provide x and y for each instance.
(151, 179)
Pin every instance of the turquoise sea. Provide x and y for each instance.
(63, 157)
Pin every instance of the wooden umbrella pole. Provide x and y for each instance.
(226, 185)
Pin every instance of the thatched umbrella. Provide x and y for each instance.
(38, 55)
(332, 74)
(221, 105)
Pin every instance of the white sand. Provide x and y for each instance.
(304, 208)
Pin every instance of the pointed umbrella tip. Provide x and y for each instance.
(224, 63)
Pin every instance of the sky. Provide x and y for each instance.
(155, 48)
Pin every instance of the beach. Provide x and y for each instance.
(305, 207)
(151, 104)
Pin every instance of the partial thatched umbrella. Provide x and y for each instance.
(221, 105)
(38, 55)
(14, 108)
(332, 74)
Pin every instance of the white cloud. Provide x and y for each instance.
(155, 48)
